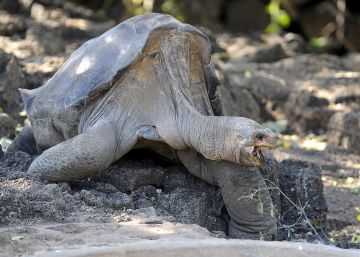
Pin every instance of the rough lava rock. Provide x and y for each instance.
(344, 131)
(11, 25)
(301, 183)
(15, 164)
(193, 206)
(270, 173)
(12, 6)
(128, 175)
(188, 198)
(239, 103)
(7, 126)
(11, 79)
(49, 39)
(307, 112)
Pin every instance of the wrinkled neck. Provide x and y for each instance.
(208, 135)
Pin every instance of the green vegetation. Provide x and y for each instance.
(318, 42)
(279, 19)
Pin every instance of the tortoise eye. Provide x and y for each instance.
(153, 54)
(260, 136)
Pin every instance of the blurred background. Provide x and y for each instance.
(292, 65)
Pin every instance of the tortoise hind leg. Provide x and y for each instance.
(24, 142)
(82, 156)
(245, 195)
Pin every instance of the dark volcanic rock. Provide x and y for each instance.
(192, 200)
(270, 172)
(11, 6)
(129, 175)
(24, 199)
(49, 40)
(145, 196)
(11, 25)
(179, 177)
(11, 79)
(115, 200)
(7, 126)
(193, 206)
(301, 183)
(307, 112)
(344, 131)
(15, 162)
(239, 103)
(268, 54)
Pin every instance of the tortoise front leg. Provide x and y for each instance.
(82, 156)
(24, 142)
(244, 192)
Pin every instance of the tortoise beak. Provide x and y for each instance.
(261, 139)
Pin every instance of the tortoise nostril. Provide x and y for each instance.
(260, 136)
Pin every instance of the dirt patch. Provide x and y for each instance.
(27, 239)
(342, 196)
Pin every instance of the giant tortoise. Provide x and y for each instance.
(148, 83)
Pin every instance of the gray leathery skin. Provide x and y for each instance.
(145, 83)
(244, 192)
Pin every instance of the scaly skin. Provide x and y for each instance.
(243, 189)
(164, 92)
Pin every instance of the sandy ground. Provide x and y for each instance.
(37, 237)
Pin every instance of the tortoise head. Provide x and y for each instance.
(245, 140)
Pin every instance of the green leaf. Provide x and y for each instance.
(318, 42)
(279, 17)
(273, 7)
(283, 19)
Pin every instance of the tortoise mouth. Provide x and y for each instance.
(255, 156)
(254, 153)
(258, 153)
